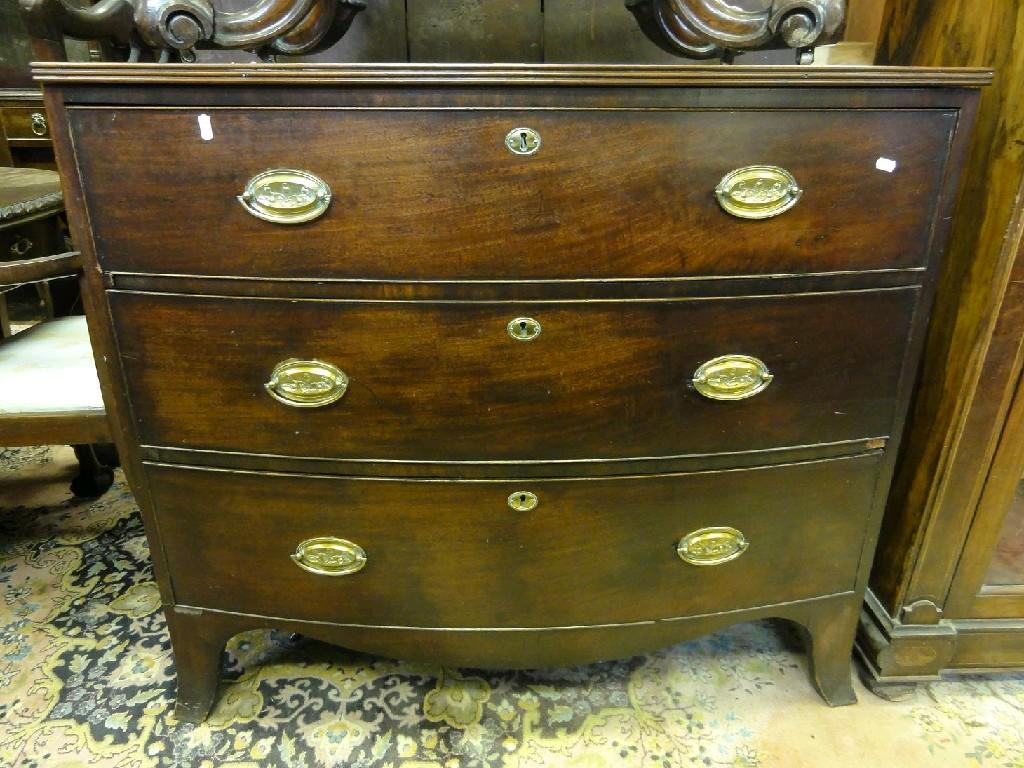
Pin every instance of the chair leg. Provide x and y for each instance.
(5, 318)
(93, 477)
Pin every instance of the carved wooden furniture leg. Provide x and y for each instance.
(830, 631)
(198, 640)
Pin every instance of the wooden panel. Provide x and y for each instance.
(971, 362)
(988, 646)
(61, 428)
(445, 382)
(598, 31)
(377, 34)
(437, 195)
(475, 30)
(864, 21)
(15, 49)
(448, 554)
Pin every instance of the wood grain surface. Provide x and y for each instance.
(956, 416)
(452, 554)
(444, 381)
(436, 194)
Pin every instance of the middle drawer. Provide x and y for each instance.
(453, 382)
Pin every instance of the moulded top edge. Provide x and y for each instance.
(114, 73)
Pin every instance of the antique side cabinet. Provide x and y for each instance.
(508, 365)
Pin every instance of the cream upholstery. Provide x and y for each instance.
(49, 368)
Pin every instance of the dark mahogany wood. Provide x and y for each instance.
(453, 554)
(930, 611)
(445, 382)
(199, 637)
(437, 237)
(610, 193)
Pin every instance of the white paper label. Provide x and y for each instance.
(205, 127)
(885, 164)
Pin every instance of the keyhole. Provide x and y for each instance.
(523, 501)
(524, 329)
(522, 141)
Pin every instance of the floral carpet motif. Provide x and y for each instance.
(87, 679)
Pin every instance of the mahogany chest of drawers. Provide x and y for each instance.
(508, 366)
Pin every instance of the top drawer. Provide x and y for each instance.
(438, 195)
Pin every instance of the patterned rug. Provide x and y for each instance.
(87, 679)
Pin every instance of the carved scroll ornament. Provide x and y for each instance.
(175, 28)
(268, 27)
(716, 28)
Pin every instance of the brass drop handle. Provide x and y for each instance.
(758, 192)
(306, 383)
(732, 377)
(39, 126)
(712, 546)
(329, 556)
(286, 196)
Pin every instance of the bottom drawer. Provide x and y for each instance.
(444, 553)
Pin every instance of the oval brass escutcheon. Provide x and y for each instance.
(286, 196)
(758, 192)
(712, 546)
(306, 383)
(523, 141)
(39, 126)
(523, 501)
(524, 329)
(329, 556)
(732, 377)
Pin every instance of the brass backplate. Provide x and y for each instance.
(523, 501)
(306, 383)
(329, 556)
(712, 546)
(524, 329)
(758, 192)
(523, 141)
(732, 377)
(286, 196)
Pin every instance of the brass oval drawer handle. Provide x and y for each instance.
(732, 377)
(523, 141)
(286, 196)
(712, 546)
(523, 501)
(306, 383)
(329, 556)
(524, 329)
(39, 126)
(758, 192)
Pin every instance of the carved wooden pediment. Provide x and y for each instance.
(175, 28)
(713, 28)
(268, 26)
